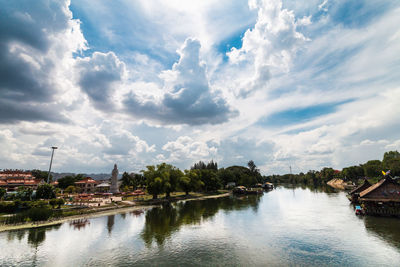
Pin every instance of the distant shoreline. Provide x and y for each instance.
(100, 213)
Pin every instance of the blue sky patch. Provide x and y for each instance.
(299, 115)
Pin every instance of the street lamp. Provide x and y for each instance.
(51, 161)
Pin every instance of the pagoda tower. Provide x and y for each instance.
(114, 180)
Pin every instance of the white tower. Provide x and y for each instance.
(114, 180)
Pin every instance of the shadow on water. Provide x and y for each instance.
(36, 236)
(387, 229)
(162, 222)
(110, 223)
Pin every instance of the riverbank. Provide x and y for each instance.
(340, 184)
(93, 213)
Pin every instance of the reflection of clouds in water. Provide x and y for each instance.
(303, 226)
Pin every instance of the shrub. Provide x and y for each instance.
(39, 214)
(60, 202)
(45, 191)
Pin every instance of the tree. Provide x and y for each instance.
(252, 167)
(45, 191)
(225, 176)
(247, 180)
(69, 180)
(391, 161)
(327, 174)
(174, 176)
(353, 173)
(2, 193)
(372, 168)
(128, 180)
(53, 202)
(41, 175)
(184, 184)
(25, 193)
(60, 202)
(195, 182)
(168, 179)
(210, 180)
(70, 189)
(202, 166)
(155, 187)
(156, 179)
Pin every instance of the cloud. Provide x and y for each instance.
(35, 38)
(98, 77)
(239, 150)
(187, 151)
(125, 143)
(269, 47)
(188, 98)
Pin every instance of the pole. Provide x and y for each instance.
(51, 161)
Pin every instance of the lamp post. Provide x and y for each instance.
(51, 161)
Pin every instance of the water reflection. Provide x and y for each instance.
(297, 226)
(313, 188)
(79, 224)
(110, 223)
(162, 222)
(387, 229)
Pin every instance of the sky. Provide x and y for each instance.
(300, 84)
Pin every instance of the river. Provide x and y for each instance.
(283, 227)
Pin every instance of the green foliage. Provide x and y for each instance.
(202, 166)
(3, 192)
(184, 184)
(353, 173)
(133, 180)
(156, 187)
(327, 174)
(226, 176)
(391, 161)
(39, 214)
(53, 202)
(128, 180)
(210, 180)
(69, 180)
(45, 191)
(41, 175)
(163, 178)
(8, 206)
(60, 202)
(24, 193)
(70, 189)
(372, 168)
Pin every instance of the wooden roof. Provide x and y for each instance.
(379, 189)
(372, 188)
(361, 187)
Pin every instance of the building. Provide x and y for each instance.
(355, 193)
(103, 187)
(382, 198)
(12, 179)
(86, 185)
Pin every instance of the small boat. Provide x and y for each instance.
(268, 186)
(359, 210)
(246, 191)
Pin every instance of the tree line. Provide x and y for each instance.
(203, 177)
(371, 170)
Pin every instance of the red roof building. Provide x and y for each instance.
(12, 179)
(87, 185)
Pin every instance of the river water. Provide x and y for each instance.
(283, 227)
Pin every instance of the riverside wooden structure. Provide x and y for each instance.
(382, 198)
